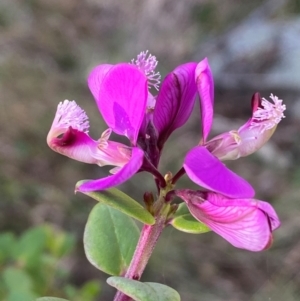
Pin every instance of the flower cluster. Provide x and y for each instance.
(122, 93)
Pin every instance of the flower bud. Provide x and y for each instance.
(253, 134)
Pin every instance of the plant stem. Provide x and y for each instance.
(145, 246)
(179, 174)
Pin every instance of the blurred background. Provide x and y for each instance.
(47, 49)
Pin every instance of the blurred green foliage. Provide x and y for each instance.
(32, 265)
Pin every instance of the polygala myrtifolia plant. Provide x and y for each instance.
(225, 202)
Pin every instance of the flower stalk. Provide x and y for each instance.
(146, 244)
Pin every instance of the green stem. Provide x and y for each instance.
(145, 246)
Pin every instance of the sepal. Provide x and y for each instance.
(209, 172)
(123, 174)
(205, 85)
(95, 79)
(122, 100)
(175, 101)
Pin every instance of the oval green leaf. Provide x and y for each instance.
(16, 279)
(110, 238)
(7, 243)
(185, 222)
(30, 246)
(147, 291)
(50, 299)
(122, 202)
(20, 295)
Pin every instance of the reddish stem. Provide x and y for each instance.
(179, 174)
(147, 241)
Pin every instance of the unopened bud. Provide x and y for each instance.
(149, 201)
(168, 176)
(173, 209)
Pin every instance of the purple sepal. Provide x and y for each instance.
(126, 172)
(175, 101)
(95, 78)
(122, 100)
(205, 85)
(207, 171)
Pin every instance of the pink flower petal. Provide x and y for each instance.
(175, 101)
(122, 100)
(245, 223)
(269, 210)
(80, 146)
(207, 171)
(251, 136)
(120, 177)
(76, 145)
(95, 78)
(205, 84)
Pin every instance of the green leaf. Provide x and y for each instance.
(148, 291)
(7, 242)
(109, 239)
(89, 290)
(18, 284)
(121, 201)
(181, 210)
(50, 299)
(30, 246)
(185, 222)
(17, 280)
(18, 296)
(70, 291)
(59, 243)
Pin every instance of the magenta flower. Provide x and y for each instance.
(122, 108)
(245, 223)
(202, 163)
(229, 208)
(169, 110)
(253, 134)
(201, 166)
(126, 100)
(175, 101)
(122, 94)
(72, 123)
